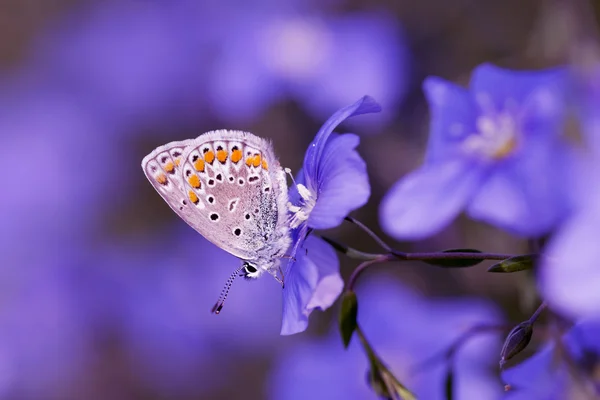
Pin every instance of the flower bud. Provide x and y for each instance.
(516, 341)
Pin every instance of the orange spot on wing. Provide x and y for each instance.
(209, 157)
(265, 165)
(177, 161)
(222, 156)
(193, 197)
(236, 156)
(162, 179)
(194, 181)
(256, 161)
(170, 167)
(199, 165)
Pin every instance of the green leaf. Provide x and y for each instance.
(381, 380)
(449, 385)
(515, 264)
(458, 262)
(336, 245)
(386, 386)
(347, 317)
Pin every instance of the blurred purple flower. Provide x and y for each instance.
(569, 276)
(45, 343)
(570, 372)
(174, 339)
(406, 330)
(586, 97)
(67, 172)
(332, 183)
(320, 61)
(494, 149)
(131, 62)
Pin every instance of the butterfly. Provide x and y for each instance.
(229, 186)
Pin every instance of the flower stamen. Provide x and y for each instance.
(300, 213)
(496, 137)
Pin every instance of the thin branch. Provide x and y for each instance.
(363, 266)
(369, 232)
(349, 251)
(537, 312)
(448, 353)
(450, 256)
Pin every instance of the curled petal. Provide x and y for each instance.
(312, 158)
(343, 185)
(313, 282)
(429, 198)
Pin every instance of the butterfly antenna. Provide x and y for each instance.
(219, 304)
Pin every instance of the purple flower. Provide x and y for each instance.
(314, 281)
(569, 276)
(332, 183)
(67, 173)
(408, 332)
(568, 372)
(494, 149)
(333, 180)
(169, 332)
(45, 343)
(321, 61)
(130, 63)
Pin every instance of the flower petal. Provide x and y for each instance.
(343, 183)
(428, 199)
(314, 152)
(313, 282)
(526, 195)
(453, 115)
(534, 378)
(569, 276)
(539, 90)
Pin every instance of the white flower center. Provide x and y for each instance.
(496, 137)
(302, 212)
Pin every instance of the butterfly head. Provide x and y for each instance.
(251, 271)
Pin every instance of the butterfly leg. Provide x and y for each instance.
(282, 281)
(277, 273)
(278, 279)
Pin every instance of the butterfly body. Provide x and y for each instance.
(228, 186)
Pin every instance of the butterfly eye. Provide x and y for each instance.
(250, 271)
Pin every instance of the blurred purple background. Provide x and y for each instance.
(106, 293)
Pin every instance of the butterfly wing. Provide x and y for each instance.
(238, 189)
(162, 167)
